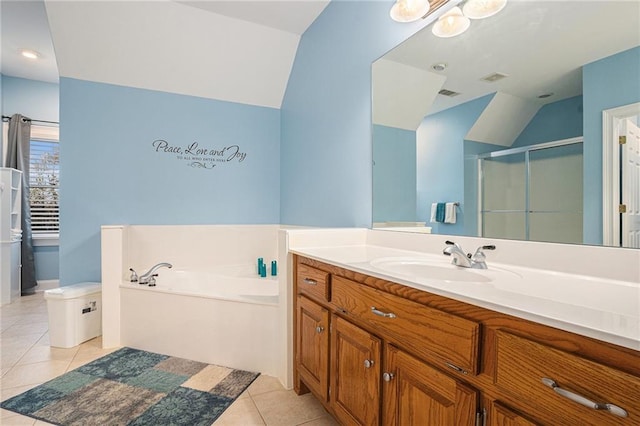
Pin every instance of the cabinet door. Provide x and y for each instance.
(417, 394)
(503, 416)
(312, 347)
(355, 377)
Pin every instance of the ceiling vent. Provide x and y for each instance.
(492, 78)
(449, 93)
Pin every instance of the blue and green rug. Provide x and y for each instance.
(134, 387)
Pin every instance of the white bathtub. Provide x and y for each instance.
(225, 315)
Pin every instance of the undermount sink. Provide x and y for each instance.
(436, 270)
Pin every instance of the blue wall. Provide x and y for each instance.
(555, 121)
(394, 174)
(34, 99)
(440, 158)
(40, 101)
(112, 174)
(607, 83)
(326, 114)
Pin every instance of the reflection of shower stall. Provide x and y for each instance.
(532, 193)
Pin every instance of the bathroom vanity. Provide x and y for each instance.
(377, 347)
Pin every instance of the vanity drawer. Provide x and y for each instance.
(442, 338)
(523, 364)
(313, 282)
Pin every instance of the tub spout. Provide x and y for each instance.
(148, 276)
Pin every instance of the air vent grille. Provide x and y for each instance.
(449, 93)
(492, 78)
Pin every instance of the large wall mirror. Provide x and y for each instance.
(498, 132)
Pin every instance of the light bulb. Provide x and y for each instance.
(480, 9)
(451, 24)
(30, 54)
(409, 10)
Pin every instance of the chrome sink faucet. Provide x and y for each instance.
(149, 276)
(466, 260)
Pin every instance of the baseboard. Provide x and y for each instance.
(47, 285)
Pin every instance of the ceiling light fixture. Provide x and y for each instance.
(451, 24)
(29, 54)
(439, 66)
(480, 9)
(409, 10)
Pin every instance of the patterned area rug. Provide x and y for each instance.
(134, 387)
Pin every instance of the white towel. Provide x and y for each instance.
(434, 207)
(450, 213)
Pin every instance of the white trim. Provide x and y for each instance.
(611, 171)
(47, 284)
(41, 240)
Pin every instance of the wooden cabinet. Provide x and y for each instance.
(565, 389)
(395, 355)
(417, 394)
(312, 346)
(445, 339)
(355, 379)
(503, 416)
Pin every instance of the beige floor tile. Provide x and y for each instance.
(22, 375)
(40, 353)
(18, 420)
(7, 322)
(19, 329)
(243, 412)
(207, 378)
(323, 421)
(41, 423)
(44, 340)
(264, 384)
(33, 318)
(285, 408)
(86, 355)
(25, 340)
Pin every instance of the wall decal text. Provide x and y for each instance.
(198, 156)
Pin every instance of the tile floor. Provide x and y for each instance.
(28, 360)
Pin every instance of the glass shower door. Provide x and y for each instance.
(503, 208)
(555, 194)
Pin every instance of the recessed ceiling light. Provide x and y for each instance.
(29, 54)
(439, 67)
(545, 95)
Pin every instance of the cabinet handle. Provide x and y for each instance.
(368, 363)
(382, 314)
(319, 329)
(387, 377)
(310, 281)
(613, 409)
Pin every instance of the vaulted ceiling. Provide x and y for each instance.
(237, 51)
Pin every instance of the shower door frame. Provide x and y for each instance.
(504, 152)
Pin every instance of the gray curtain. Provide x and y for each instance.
(18, 150)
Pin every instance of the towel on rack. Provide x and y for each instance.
(440, 212)
(434, 207)
(450, 213)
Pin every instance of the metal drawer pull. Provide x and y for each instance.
(387, 377)
(310, 281)
(319, 329)
(368, 363)
(382, 314)
(613, 409)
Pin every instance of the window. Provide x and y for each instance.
(44, 180)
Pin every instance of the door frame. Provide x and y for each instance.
(611, 171)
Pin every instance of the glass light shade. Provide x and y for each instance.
(451, 24)
(409, 10)
(480, 9)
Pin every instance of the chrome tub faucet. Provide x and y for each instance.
(149, 277)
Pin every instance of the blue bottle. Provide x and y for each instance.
(274, 268)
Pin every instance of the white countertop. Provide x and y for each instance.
(604, 309)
